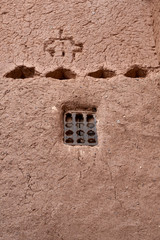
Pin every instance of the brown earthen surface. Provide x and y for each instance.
(75, 55)
(156, 24)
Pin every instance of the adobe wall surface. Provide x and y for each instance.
(156, 24)
(53, 191)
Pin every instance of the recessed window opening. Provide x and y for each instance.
(80, 128)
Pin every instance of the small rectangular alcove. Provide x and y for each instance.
(80, 129)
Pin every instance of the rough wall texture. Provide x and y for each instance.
(53, 191)
(156, 24)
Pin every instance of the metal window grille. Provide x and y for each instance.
(80, 129)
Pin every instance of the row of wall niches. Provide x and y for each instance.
(22, 72)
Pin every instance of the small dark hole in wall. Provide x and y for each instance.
(79, 118)
(69, 133)
(102, 73)
(63, 53)
(94, 109)
(61, 74)
(69, 140)
(51, 51)
(136, 72)
(21, 72)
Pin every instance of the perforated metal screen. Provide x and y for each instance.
(80, 128)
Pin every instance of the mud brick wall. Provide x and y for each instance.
(156, 24)
(82, 57)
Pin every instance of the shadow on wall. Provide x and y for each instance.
(136, 72)
(61, 73)
(102, 73)
(22, 72)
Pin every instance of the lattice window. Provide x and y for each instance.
(80, 128)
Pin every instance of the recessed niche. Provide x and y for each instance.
(22, 72)
(81, 129)
(61, 74)
(102, 73)
(136, 72)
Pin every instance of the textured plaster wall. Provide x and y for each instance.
(156, 24)
(113, 33)
(53, 191)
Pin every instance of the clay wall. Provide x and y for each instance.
(79, 55)
(156, 24)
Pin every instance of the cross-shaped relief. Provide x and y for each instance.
(63, 47)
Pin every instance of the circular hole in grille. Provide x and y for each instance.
(90, 125)
(68, 125)
(91, 140)
(91, 133)
(80, 140)
(69, 133)
(80, 133)
(79, 125)
(69, 140)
